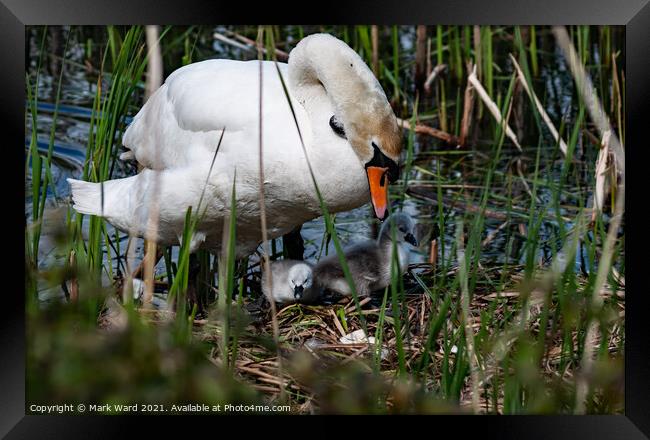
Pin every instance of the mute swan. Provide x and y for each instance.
(349, 130)
(292, 281)
(369, 261)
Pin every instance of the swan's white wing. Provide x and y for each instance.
(184, 118)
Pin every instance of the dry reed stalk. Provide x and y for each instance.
(374, 36)
(247, 44)
(492, 107)
(154, 61)
(599, 117)
(478, 52)
(425, 129)
(420, 56)
(587, 91)
(433, 254)
(428, 72)
(265, 236)
(540, 107)
(522, 229)
(257, 372)
(426, 304)
(352, 306)
(337, 324)
(137, 273)
(355, 354)
(492, 235)
(146, 267)
(152, 83)
(149, 266)
(468, 106)
(434, 73)
(280, 54)
(224, 39)
(603, 164)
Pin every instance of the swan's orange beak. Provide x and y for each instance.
(378, 182)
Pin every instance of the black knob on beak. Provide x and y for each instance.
(297, 292)
(411, 239)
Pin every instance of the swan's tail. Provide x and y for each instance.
(87, 197)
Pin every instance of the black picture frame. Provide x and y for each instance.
(634, 14)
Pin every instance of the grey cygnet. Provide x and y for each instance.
(369, 261)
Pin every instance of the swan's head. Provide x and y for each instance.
(322, 64)
(377, 141)
(300, 279)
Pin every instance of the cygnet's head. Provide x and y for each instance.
(404, 229)
(300, 279)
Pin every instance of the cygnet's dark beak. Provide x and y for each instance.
(410, 238)
(297, 292)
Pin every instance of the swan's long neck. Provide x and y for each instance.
(322, 66)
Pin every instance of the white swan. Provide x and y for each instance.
(344, 118)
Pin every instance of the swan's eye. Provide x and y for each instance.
(337, 127)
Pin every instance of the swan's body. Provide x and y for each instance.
(369, 261)
(291, 281)
(176, 133)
